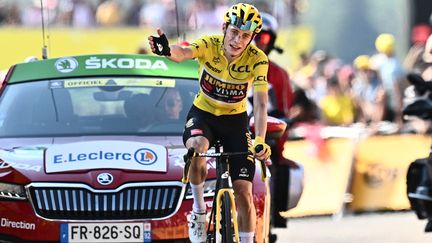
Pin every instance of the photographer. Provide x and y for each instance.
(417, 124)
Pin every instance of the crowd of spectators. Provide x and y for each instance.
(191, 14)
(369, 92)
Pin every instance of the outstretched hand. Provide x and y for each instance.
(159, 45)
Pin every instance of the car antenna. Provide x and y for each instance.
(178, 24)
(44, 47)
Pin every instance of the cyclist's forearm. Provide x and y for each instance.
(180, 54)
(260, 113)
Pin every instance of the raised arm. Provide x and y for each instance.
(160, 46)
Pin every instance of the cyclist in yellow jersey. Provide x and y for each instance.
(229, 67)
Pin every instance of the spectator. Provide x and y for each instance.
(155, 13)
(345, 76)
(392, 75)
(133, 14)
(336, 107)
(108, 13)
(303, 109)
(427, 59)
(203, 14)
(9, 13)
(369, 94)
(31, 15)
(83, 14)
(415, 124)
(142, 49)
(413, 60)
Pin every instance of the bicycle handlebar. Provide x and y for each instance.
(259, 148)
(191, 154)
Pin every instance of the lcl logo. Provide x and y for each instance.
(240, 69)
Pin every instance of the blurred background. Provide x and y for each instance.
(354, 160)
(344, 28)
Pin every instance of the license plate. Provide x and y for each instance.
(106, 232)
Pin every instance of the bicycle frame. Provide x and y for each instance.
(223, 187)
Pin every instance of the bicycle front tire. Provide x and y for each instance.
(227, 227)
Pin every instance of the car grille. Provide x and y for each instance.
(130, 201)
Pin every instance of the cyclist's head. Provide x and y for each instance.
(265, 40)
(244, 16)
(242, 23)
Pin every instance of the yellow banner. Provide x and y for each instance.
(379, 180)
(15, 46)
(327, 166)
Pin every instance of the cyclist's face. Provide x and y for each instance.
(236, 41)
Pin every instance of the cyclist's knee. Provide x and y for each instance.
(243, 192)
(200, 144)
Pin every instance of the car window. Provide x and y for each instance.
(96, 106)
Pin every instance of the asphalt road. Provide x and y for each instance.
(392, 227)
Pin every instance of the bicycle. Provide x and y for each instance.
(224, 212)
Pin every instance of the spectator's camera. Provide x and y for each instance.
(418, 98)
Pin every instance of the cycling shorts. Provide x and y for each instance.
(231, 130)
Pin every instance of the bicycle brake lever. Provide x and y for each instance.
(258, 149)
(191, 153)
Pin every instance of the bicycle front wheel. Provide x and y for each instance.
(227, 226)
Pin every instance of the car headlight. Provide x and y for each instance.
(12, 191)
(209, 187)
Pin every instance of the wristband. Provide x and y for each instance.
(259, 139)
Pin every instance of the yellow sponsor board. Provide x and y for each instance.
(15, 46)
(19, 43)
(372, 169)
(379, 180)
(327, 166)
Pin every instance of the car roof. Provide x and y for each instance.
(101, 65)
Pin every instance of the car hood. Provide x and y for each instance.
(127, 158)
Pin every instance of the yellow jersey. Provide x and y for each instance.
(224, 85)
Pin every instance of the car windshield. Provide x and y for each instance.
(96, 106)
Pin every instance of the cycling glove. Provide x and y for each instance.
(161, 46)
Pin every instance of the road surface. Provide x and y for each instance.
(391, 227)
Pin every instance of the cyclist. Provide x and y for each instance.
(229, 64)
(281, 98)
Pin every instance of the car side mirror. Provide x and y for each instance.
(275, 127)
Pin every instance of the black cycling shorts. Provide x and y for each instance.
(231, 130)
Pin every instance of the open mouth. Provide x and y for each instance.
(235, 48)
